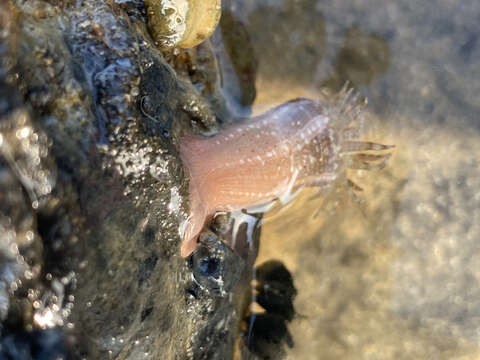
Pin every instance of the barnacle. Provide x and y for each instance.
(182, 23)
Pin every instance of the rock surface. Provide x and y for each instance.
(93, 192)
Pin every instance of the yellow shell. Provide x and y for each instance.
(182, 23)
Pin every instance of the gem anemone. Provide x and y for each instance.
(301, 143)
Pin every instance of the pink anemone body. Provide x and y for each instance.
(259, 160)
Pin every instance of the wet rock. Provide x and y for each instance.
(214, 265)
(93, 192)
(37, 345)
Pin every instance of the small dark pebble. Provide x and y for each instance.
(215, 266)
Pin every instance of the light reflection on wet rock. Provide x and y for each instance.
(26, 152)
(31, 298)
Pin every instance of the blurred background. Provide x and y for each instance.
(396, 275)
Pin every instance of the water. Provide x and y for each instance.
(395, 276)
